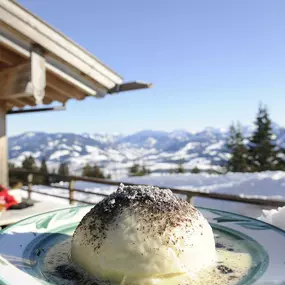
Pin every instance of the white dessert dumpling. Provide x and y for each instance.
(143, 235)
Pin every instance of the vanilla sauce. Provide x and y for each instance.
(233, 263)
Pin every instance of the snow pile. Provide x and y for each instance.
(275, 217)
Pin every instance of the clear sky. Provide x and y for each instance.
(211, 62)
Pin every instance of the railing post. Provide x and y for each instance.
(30, 185)
(71, 191)
(190, 199)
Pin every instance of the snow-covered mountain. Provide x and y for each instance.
(157, 150)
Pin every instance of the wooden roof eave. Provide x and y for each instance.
(41, 33)
(67, 70)
(62, 83)
(57, 68)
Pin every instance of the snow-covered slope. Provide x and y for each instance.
(160, 151)
(269, 184)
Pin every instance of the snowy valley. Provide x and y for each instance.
(159, 151)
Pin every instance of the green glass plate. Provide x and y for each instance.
(23, 246)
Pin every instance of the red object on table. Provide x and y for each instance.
(6, 199)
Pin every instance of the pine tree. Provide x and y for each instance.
(239, 155)
(195, 170)
(134, 170)
(98, 172)
(145, 171)
(11, 165)
(43, 168)
(53, 179)
(15, 179)
(87, 170)
(63, 169)
(180, 168)
(29, 163)
(92, 171)
(137, 170)
(263, 152)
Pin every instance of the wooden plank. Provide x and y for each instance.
(59, 68)
(3, 147)
(30, 185)
(15, 82)
(54, 95)
(30, 101)
(216, 196)
(16, 103)
(129, 86)
(47, 100)
(15, 96)
(71, 191)
(51, 95)
(211, 195)
(25, 80)
(14, 47)
(61, 197)
(73, 77)
(9, 57)
(63, 87)
(38, 73)
(77, 190)
(9, 106)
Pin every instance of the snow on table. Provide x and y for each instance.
(13, 216)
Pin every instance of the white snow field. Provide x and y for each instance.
(263, 185)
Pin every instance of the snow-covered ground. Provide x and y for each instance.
(264, 185)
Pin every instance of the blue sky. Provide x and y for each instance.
(211, 62)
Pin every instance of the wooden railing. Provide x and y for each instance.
(190, 194)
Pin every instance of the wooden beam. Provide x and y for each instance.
(47, 101)
(18, 88)
(20, 102)
(16, 103)
(30, 101)
(16, 47)
(38, 73)
(54, 95)
(25, 80)
(63, 87)
(74, 78)
(53, 64)
(17, 96)
(129, 86)
(15, 82)
(9, 106)
(9, 57)
(3, 147)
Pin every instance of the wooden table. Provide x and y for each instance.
(13, 216)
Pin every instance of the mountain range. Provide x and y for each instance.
(158, 150)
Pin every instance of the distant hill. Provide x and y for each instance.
(158, 150)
